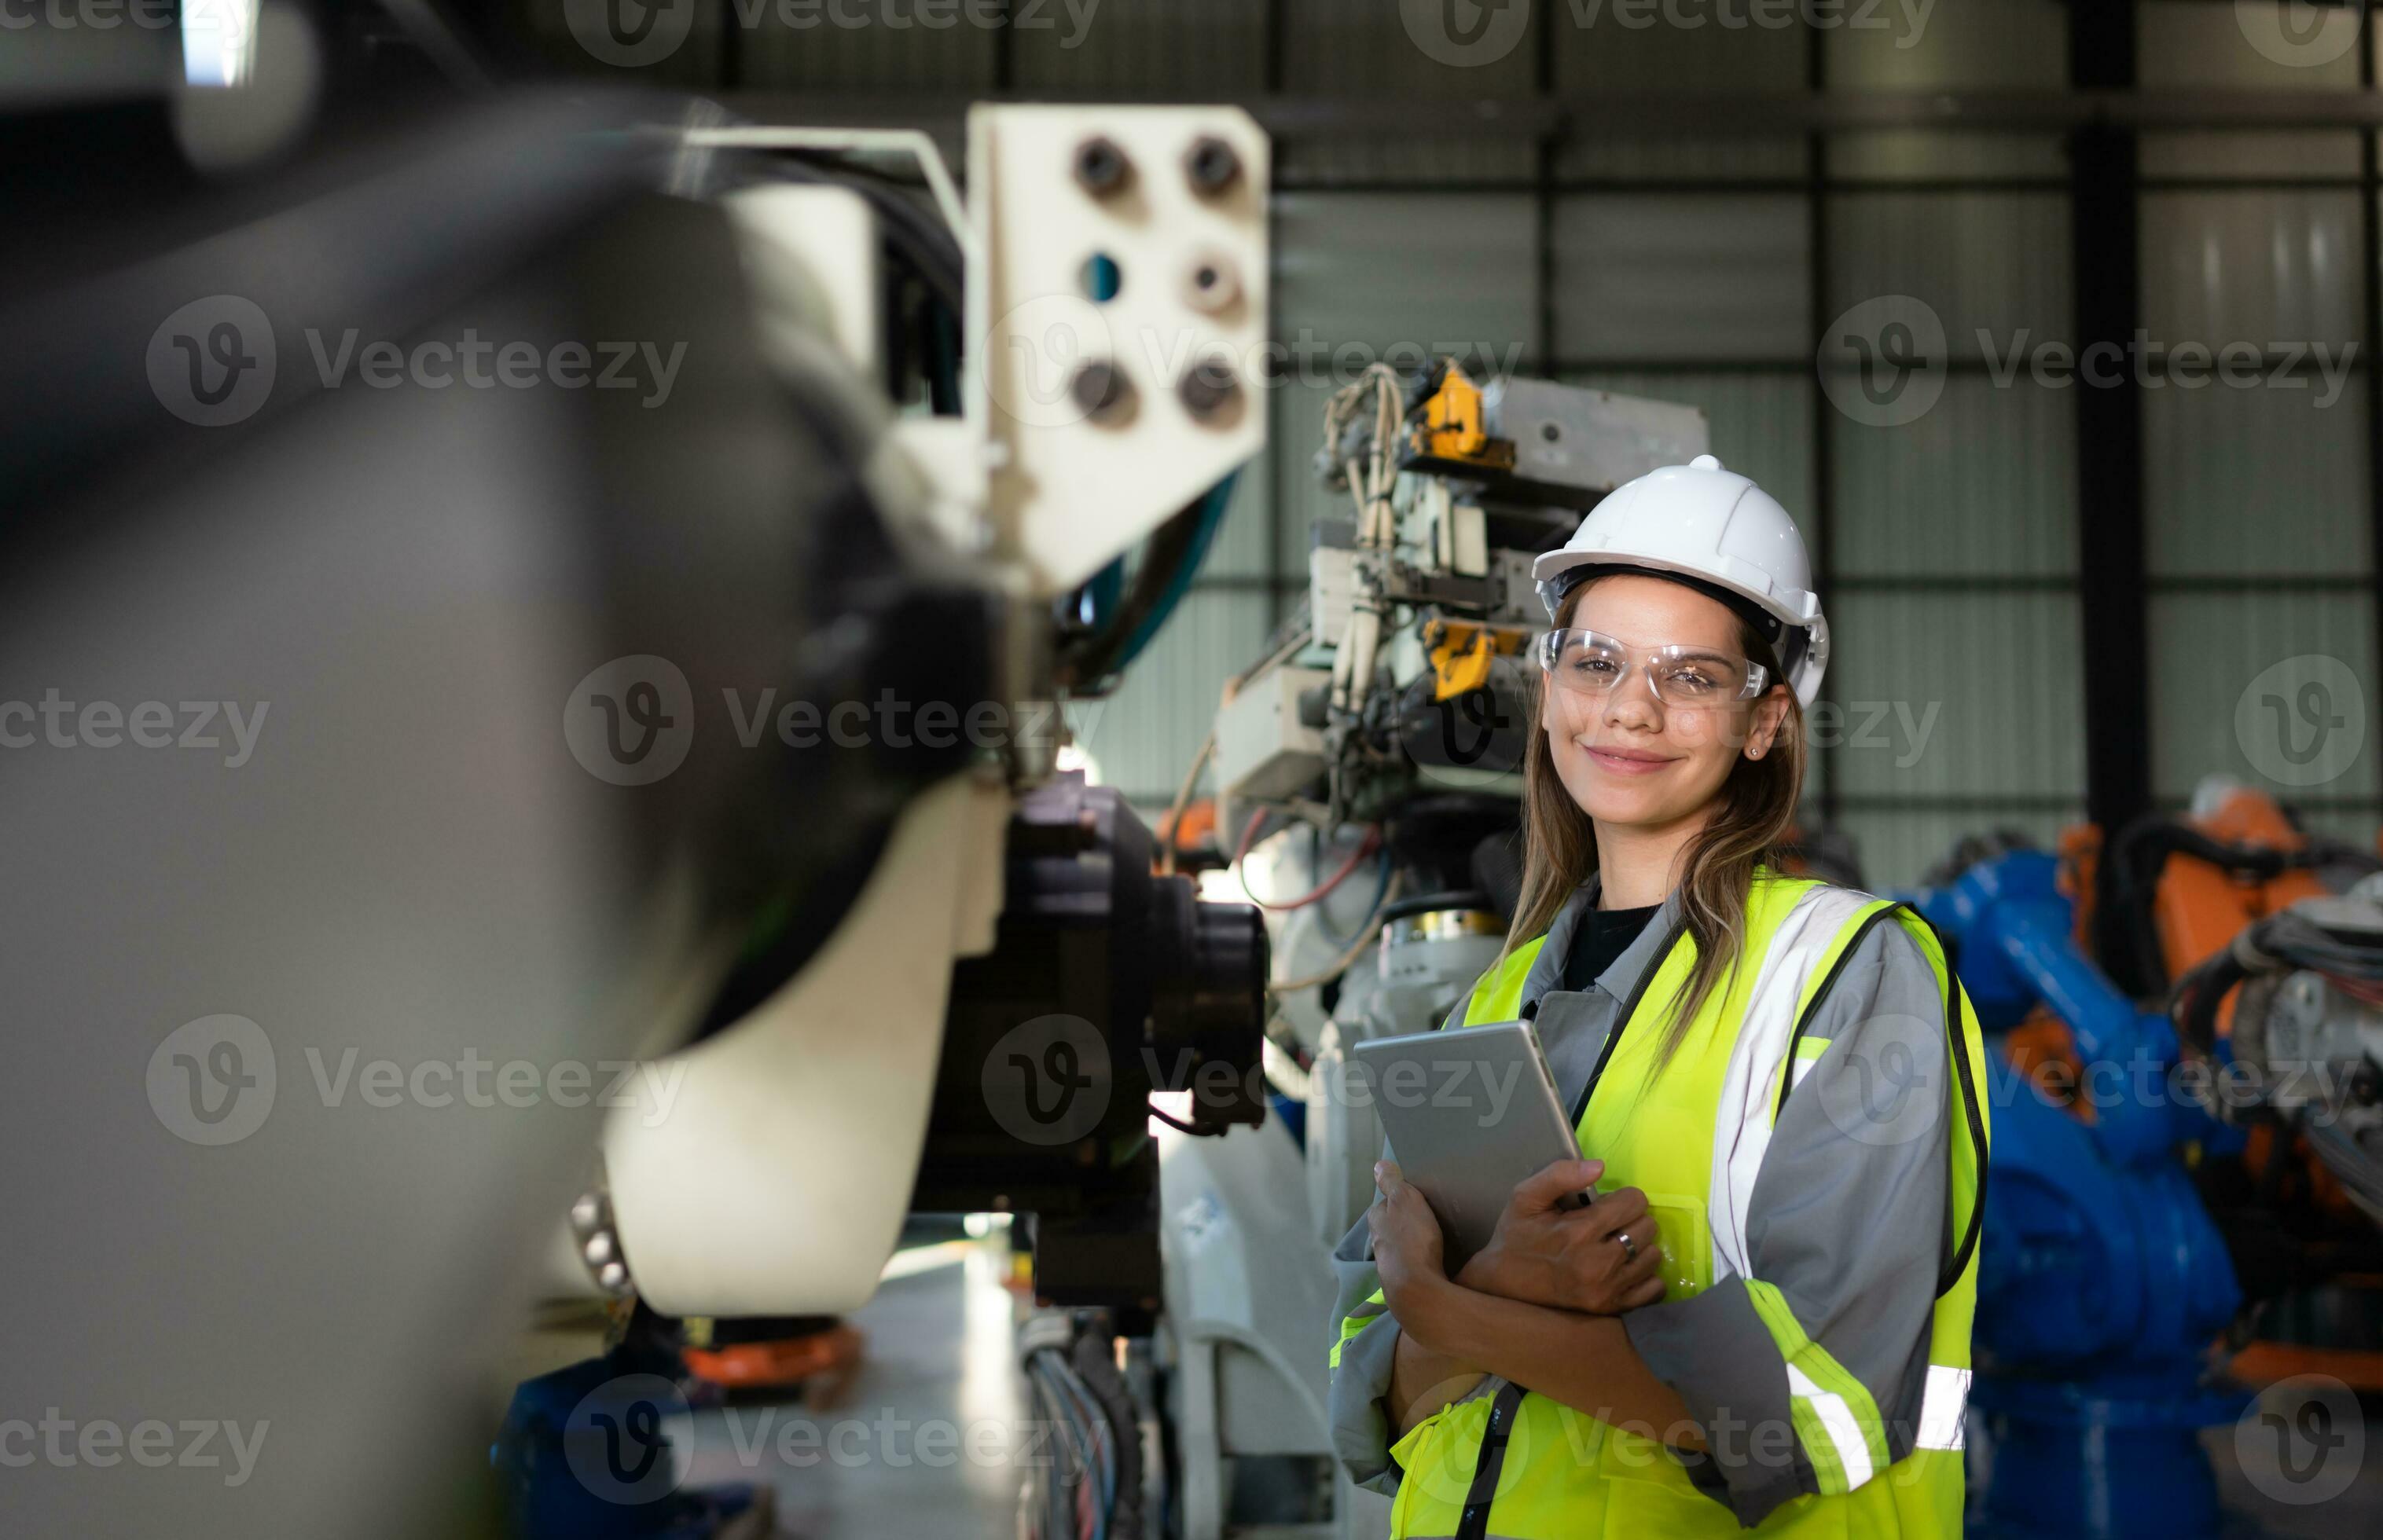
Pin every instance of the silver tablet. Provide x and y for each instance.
(1469, 1112)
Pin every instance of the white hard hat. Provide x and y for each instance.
(1721, 532)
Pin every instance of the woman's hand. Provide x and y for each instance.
(1409, 1251)
(1544, 1254)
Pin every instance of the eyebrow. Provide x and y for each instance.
(1703, 654)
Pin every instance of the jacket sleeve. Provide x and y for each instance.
(1808, 1376)
(1365, 1343)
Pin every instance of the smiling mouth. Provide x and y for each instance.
(1624, 763)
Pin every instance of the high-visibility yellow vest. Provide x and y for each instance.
(1563, 1474)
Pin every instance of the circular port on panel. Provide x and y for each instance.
(1211, 165)
(1102, 168)
(1212, 283)
(1102, 277)
(1103, 391)
(1211, 391)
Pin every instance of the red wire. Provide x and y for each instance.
(1366, 847)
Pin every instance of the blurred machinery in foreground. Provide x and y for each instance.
(1366, 776)
(708, 727)
(2167, 1180)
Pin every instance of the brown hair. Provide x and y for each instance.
(1756, 807)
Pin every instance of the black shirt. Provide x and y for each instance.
(1603, 935)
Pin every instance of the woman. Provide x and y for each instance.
(1762, 1321)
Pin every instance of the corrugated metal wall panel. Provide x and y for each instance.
(2015, 45)
(1143, 736)
(1362, 48)
(1298, 429)
(1977, 259)
(1244, 546)
(2210, 648)
(1169, 50)
(1984, 483)
(1762, 424)
(1907, 154)
(2258, 481)
(1602, 47)
(2260, 268)
(2000, 672)
(1683, 160)
(1443, 273)
(1642, 275)
(1425, 158)
(1898, 848)
(2211, 45)
(826, 56)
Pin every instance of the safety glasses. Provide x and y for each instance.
(1591, 664)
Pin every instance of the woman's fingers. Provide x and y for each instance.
(1647, 1243)
(1617, 1211)
(1546, 1189)
(1386, 1179)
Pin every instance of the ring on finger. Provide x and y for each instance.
(1629, 1248)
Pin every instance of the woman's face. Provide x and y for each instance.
(1630, 759)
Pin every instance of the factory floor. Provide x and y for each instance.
(929, 1441)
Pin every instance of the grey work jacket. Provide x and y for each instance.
(1852, 1232)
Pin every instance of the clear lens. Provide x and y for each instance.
(1588, 662)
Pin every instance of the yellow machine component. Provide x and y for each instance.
(1461, 650)
(1455, 426)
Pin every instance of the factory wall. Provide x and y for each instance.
(1707, 269)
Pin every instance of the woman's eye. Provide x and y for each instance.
(1694, 681)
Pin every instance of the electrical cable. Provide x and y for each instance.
(1092, 1423)
(1211, 519)
(1347, 960)
(1373, 839)
(1173, 829)
(1170, 559)
(1173, 1121)
(1373, 906)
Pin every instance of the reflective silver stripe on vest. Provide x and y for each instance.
(1751, 1088)
(1944, 1408)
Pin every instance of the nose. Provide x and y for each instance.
(1632, 704)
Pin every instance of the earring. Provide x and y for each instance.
(1754, 754)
